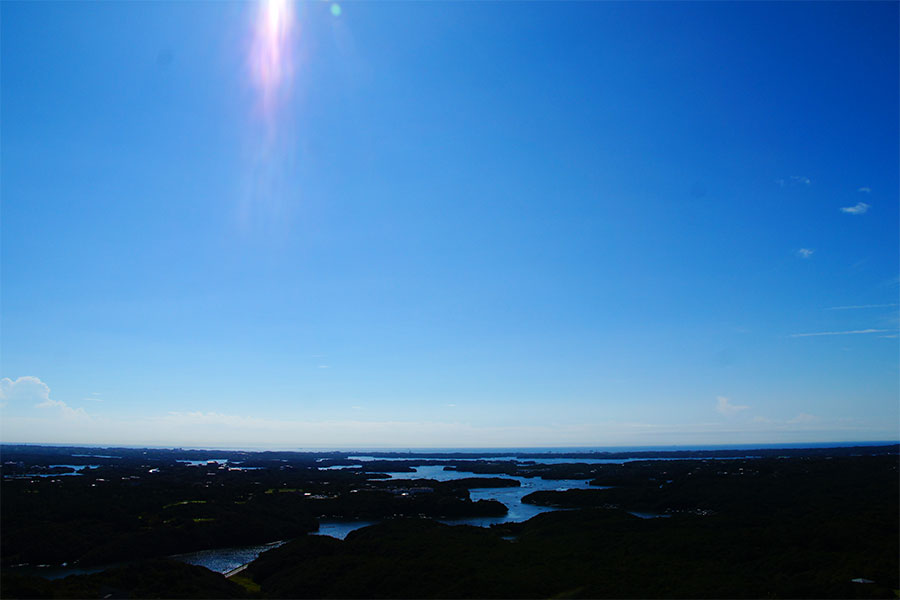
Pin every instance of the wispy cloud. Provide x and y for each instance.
(725, 407)
(799, 419)
(211, 429)
(854, 332)
(860, 208)
(64, 409)
(805, 252)
(859, 306)
(805, 418)
(865, 190)
(794, 180)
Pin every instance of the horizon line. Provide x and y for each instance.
(474, 449)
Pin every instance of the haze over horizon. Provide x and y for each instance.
(449, 224)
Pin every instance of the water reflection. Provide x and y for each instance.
(509, 496)
(551, 461)
(222, 560)
(338, 528)
(77, 471)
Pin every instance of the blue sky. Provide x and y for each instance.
(449, 223)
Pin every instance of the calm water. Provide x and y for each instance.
(339, 528)
(366, 458)
(511, 497)
(48, 572)
(544, 461)
(78, 469)
(222, 560)
(513, 452)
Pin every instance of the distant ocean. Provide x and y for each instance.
(499, 450)
(589, 449)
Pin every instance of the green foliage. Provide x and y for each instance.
(798, 528)
(248, 584)
(802, 527)
(151, 579)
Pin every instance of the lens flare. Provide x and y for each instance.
(271, 64)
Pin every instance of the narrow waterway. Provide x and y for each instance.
(509, 496)
(223, 560)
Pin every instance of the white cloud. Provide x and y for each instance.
(64, 409)
(724, 406)
(859, 209)
(31, 392)
(855, 332)
(25, 390)
(805, 252)
(865, 190)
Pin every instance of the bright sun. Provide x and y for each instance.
(270, 54)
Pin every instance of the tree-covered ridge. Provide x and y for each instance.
(148, 504)
(789, 528)
(793, 526)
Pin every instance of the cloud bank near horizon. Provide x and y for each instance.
(30, 415)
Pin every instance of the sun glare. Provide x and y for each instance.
(271, 56)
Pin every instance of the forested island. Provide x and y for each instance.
(780, 523)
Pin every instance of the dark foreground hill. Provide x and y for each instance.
(147, 579)
(799, 527)
(590, 553)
